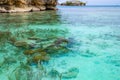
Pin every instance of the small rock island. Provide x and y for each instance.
(8, 6)
(73, 3)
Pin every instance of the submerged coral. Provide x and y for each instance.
(33, 48)
(40, 57)
(71, 73)
(4, 36)
(42, 53)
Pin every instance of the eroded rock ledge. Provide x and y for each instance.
(8, 6)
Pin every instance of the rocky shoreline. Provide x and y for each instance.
(10, 6)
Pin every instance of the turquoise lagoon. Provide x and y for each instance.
(93, 52)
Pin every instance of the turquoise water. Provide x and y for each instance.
(94, 44)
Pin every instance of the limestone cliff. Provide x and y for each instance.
(27, 5)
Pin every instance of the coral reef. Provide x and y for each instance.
(40, 57)
(31, 48)
(36, 48)
(4, 36)
(21, 44)
(42, 53)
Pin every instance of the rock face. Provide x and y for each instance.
(27, 5)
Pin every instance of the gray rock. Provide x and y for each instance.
(71, 73)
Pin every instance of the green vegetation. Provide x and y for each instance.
(74, 3)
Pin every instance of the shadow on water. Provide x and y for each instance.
(25, 19)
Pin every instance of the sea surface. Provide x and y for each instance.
(93, 49)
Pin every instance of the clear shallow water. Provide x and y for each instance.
(94, 33)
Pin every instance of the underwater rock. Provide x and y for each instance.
(39, 50)
(36, 55)
(53, 73)
(60, 41)
(4, 36)
(46, 43)
(33, 38)
(71, 42)
(71, 73)
(59, 45)
(9, 60)
(32, 46)
(4, 33)
(29, 52)
(26, 43)
(48, 47)
(40, 57)
(56, 49)
(23, 71)
(12, 40)
(21, 44)
(43, 53)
